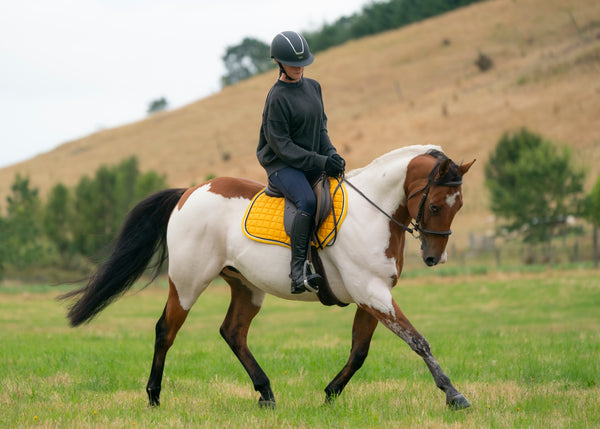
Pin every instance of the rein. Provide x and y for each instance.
(417, 225)
(406, 228)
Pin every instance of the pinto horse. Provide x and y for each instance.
(201, 228)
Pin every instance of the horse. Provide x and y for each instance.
(200, 228)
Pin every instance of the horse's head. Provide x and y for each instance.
(434, 196)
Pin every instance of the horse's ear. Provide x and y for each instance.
(465, 167)
(444, 168)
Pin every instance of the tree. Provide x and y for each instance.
(4, 251)
(250, 57)
(73, 222)
(101, 203)
(157, 105)
(148, 183)
(87, 226)
(592, 211)
(533, 186)
(377, 17)
(594, 203)
(21, 228)
(127, 174)
(58, 215)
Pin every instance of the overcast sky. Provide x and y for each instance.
(69, 68)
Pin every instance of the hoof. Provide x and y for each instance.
(153, 397)
(267, 403)
(458, 402)
(330, 399)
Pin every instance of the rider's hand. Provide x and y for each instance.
(335, 165)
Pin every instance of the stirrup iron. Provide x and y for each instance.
(309, 269)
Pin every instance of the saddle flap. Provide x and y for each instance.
(322, 191)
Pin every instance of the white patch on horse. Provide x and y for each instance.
(377, 296)
(444, 257)
(451, 199)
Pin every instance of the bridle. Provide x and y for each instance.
(417, 225)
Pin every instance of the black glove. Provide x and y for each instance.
(335, 165)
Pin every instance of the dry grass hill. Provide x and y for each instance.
(415, 85)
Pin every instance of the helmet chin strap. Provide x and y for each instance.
(282, 71)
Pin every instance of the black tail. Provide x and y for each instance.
(143, 234)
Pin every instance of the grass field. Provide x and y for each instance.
(523, 348)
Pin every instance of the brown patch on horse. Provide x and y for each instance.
(175, 315)
(395, 247)
(419, 167)
(241, 309)
(228, 187)
(417, 174)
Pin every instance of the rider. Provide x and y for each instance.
(294, 147)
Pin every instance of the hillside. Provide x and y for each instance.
(414, 85)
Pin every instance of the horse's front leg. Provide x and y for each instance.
(397, 322)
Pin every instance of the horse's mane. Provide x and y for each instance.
(437, 154)
(407, 152)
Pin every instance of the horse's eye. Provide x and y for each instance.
(434, 209)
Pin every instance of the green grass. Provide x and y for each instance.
(524, 348)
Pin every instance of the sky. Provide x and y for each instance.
(69, 68)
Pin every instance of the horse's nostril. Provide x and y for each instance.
(431, 261)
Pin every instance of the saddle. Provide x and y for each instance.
(321, 188)
(269, 217)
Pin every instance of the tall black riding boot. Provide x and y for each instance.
(302, 277)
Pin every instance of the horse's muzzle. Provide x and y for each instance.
(433, 260)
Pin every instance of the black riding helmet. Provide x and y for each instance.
(291, 49)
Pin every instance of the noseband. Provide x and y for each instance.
(417, 225)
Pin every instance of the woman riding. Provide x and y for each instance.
(294, 147)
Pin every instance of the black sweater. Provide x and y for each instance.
(294, 128)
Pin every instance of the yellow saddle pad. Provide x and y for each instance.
(263, 220)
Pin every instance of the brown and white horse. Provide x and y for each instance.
(201, 228)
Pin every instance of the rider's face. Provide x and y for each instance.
(295, 73)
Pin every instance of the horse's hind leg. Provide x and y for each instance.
(362, 333)
(397, 322)
(166, 329)
(245, 304)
